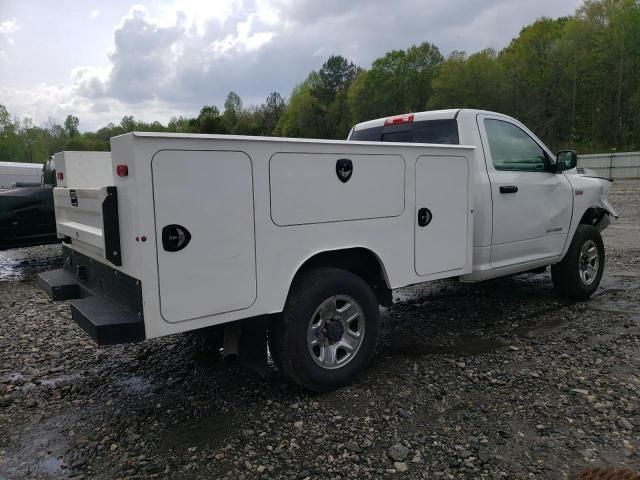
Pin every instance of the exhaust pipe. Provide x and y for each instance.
(231, 345)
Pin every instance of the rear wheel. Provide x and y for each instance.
(328, 331)
(579, 273)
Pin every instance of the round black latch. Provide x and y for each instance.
(424, 217)
(175, 237)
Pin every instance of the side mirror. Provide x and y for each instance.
(566, 160)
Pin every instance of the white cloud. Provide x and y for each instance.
(244, 40)
(57, 101)
(151, 55)
(94, 13)
(8, 28)
(196, 15)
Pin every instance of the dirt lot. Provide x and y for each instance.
(496, 380)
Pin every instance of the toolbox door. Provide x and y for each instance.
(442, 228)
(204, 216)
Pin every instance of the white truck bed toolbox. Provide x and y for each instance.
(93, 287)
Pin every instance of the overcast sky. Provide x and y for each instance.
(103, 60)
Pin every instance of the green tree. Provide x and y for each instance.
(183, 125)
(210, 121)
(471, 82)
(232, 110)
(271, 111)
(128, 123)
(335, 76)
(71, 124)
(303, 116)
(398, 82)
(5, 118)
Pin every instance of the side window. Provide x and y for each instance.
(511, 148)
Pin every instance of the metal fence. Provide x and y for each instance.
(613, 165)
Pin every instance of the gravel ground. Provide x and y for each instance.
(496, 380)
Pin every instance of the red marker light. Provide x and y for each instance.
(122, 170)
(407, 118)
(60, 176)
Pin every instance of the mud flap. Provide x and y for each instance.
(253, 344)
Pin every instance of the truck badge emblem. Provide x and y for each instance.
(344, 169)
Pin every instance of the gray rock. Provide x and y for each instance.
(404, 413)
(483, 454)
(625, 424)
(400, 467)
(398, 452)
(353, 447)
(465, 454)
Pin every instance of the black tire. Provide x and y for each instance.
(289, 332)
(566, 275)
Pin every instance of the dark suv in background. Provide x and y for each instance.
(27, 215)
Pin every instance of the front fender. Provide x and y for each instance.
(591, 204)
(608, 207)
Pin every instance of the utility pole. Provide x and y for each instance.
(613, 152)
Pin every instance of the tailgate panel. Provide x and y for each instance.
(88, 219)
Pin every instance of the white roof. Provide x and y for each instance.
(417, 117)
(448, 114)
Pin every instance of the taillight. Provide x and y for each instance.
(60, 175)
(122, 170)
(407, 118)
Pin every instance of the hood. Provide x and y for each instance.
(587, 172)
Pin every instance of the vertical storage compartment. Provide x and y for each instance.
(203, 202)
(442, 195)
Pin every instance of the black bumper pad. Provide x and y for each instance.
(59, 284)
(107, 322)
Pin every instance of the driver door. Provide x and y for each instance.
(531, 205)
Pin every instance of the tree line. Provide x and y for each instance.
(575, 81)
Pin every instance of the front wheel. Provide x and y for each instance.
(328, 331)
(579, 273)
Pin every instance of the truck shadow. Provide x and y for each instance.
(464, 320)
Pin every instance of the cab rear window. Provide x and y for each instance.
(426, 131)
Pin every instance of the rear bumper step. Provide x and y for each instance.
(92, 286)
(59, 284)
(106, 322)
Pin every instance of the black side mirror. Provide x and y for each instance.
(566, 160)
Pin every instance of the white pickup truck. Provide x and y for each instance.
(302, 240)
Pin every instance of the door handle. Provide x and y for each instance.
(508, 189)
(424, 217)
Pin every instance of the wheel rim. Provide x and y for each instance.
(589, 262)
(336, 332)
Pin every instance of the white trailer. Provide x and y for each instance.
(304, 238)
(12, 173)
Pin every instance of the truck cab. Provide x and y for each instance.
(528, 202)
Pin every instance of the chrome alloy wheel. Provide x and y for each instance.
(589, 262)
(336, 332)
